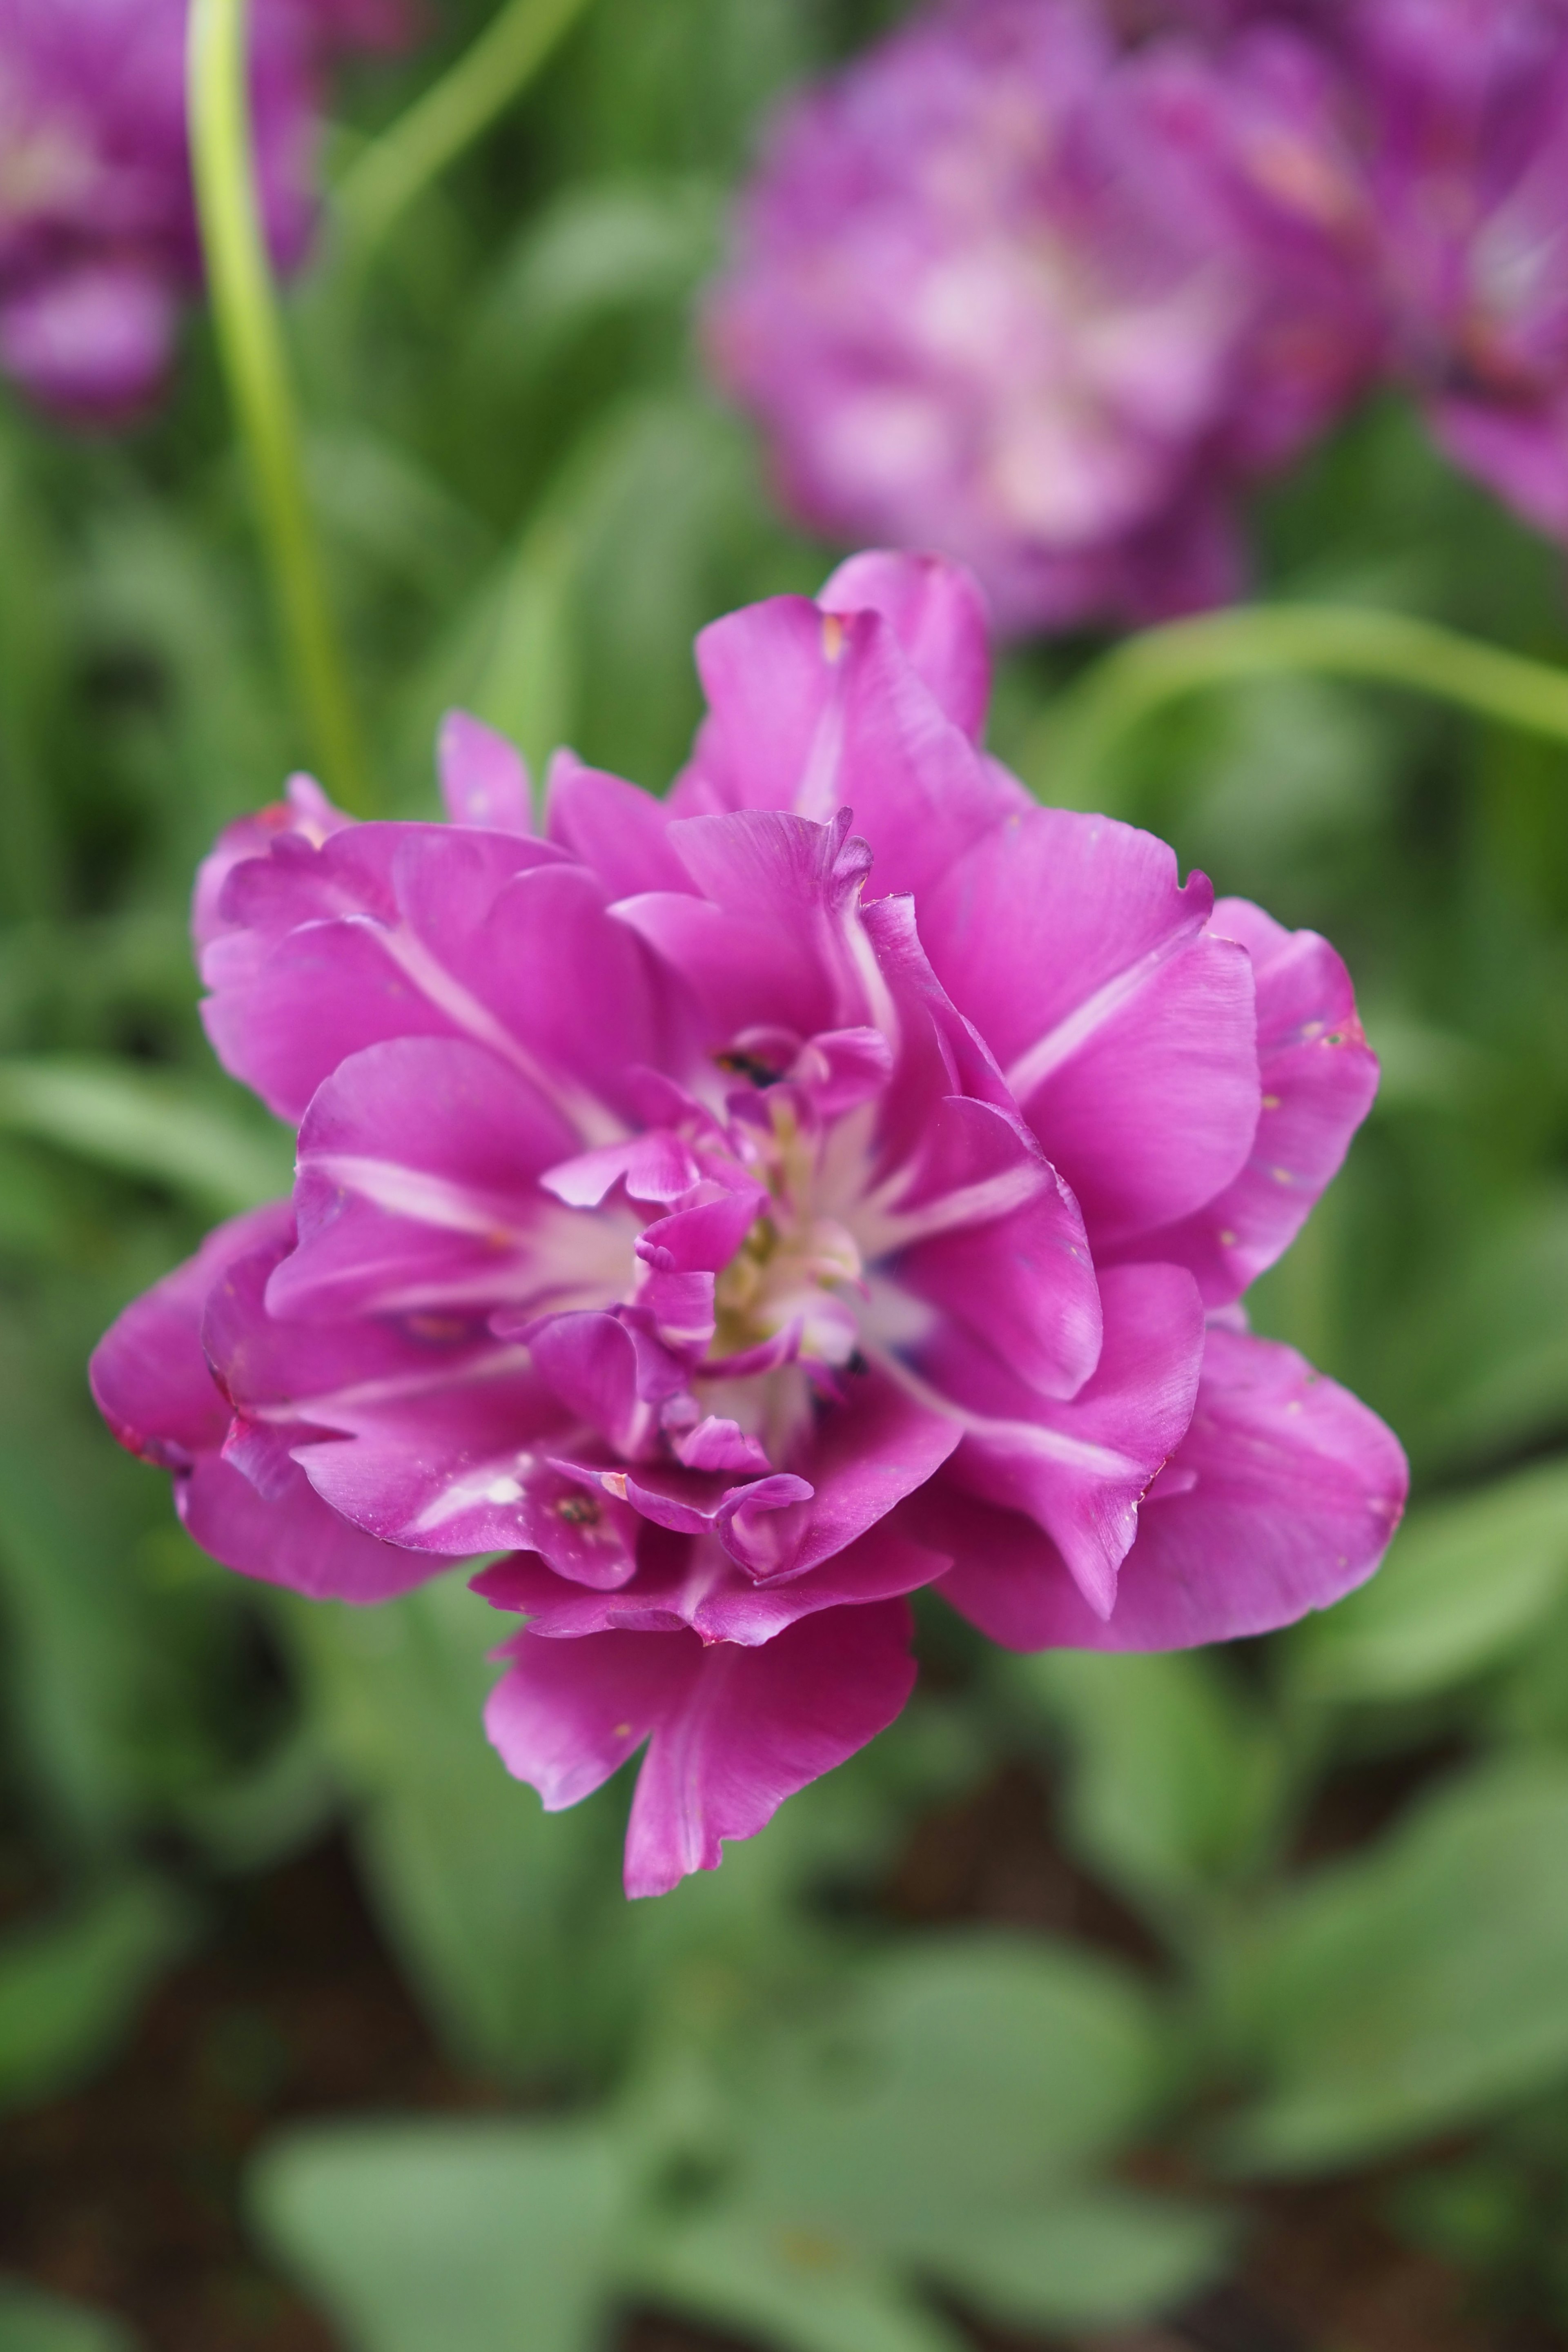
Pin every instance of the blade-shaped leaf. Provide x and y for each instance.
(1418, 1987)
(488, 2236)
(33, 2321)
(147, 1124)
(1093, 2258)
(1467, 1581)
(70, 1987)
(796, 2290)
(1173, 1773)
(974, 2071)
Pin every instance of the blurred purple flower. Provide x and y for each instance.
(99, 245)
(741, 1213)
(1007, 290)
(1448, 135)
(1465, 112)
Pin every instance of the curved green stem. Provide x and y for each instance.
(250, 338)
(1068, 753)
(451, 114)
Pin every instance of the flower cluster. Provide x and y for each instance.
(98, 233)
(745, 1209)
(1043, 283)
(1007, 290)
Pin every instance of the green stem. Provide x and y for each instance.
(451, 114)
(1067, 755)
(250, 338)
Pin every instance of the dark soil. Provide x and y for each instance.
(127, 2196)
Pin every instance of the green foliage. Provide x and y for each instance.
(1467, 1581)
(30, 2321)
(69, 1988)
(1175, 1774)
(807, 2183)
(480, 2236)
(1415, 1988)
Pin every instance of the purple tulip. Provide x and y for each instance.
(99, 247)
(1466, 104)
(1448, 135)
(1007, 288)
(742, 1212)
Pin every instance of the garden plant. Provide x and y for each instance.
(865, 1095)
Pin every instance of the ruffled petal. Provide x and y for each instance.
(155, 1386)
(323, 947)
(811, 711)
(936, 611)
(1080, 1468)
(985, 1230)
(304, 810)
(423, 1431)
(1283, 1496)
(614, 828)
(1318, 1079)
(693, 1582)
(484, 779)
(771, 942)
(732, 1731)
(861, 1459)
(150, 1376)
(289, 1536)
(416, 1192)
(1126, 1033)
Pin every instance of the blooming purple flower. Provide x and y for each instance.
(1465, 107)
(97, 235)
(741, 1212)
(1445, 137)
(1008, 289)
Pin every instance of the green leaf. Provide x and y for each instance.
(1416, 1988)
(937, 2130)
(33, 2321)
(1174, 1774)
(597, 247)
(800, 2290)
(489, 1902)
(1465, 1583)
(1096, 2258)
(70, 1987)
(474, 2236)
(262, 1816)
(969, 2070)
(146, 1123)
(1493, 1341)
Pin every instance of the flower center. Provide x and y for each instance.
(790, 1272)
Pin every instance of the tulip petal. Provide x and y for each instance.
(1318, 1077)
(1126, 1033)
(1080, 1468)
(732, 1731)
(150, 1377)
(484, 779)
(937, 612)
(1287, 1493)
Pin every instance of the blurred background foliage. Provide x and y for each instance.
(785, 2102)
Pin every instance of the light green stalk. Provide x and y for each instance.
(485, 81)
(1068, 756)
(250, 338)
